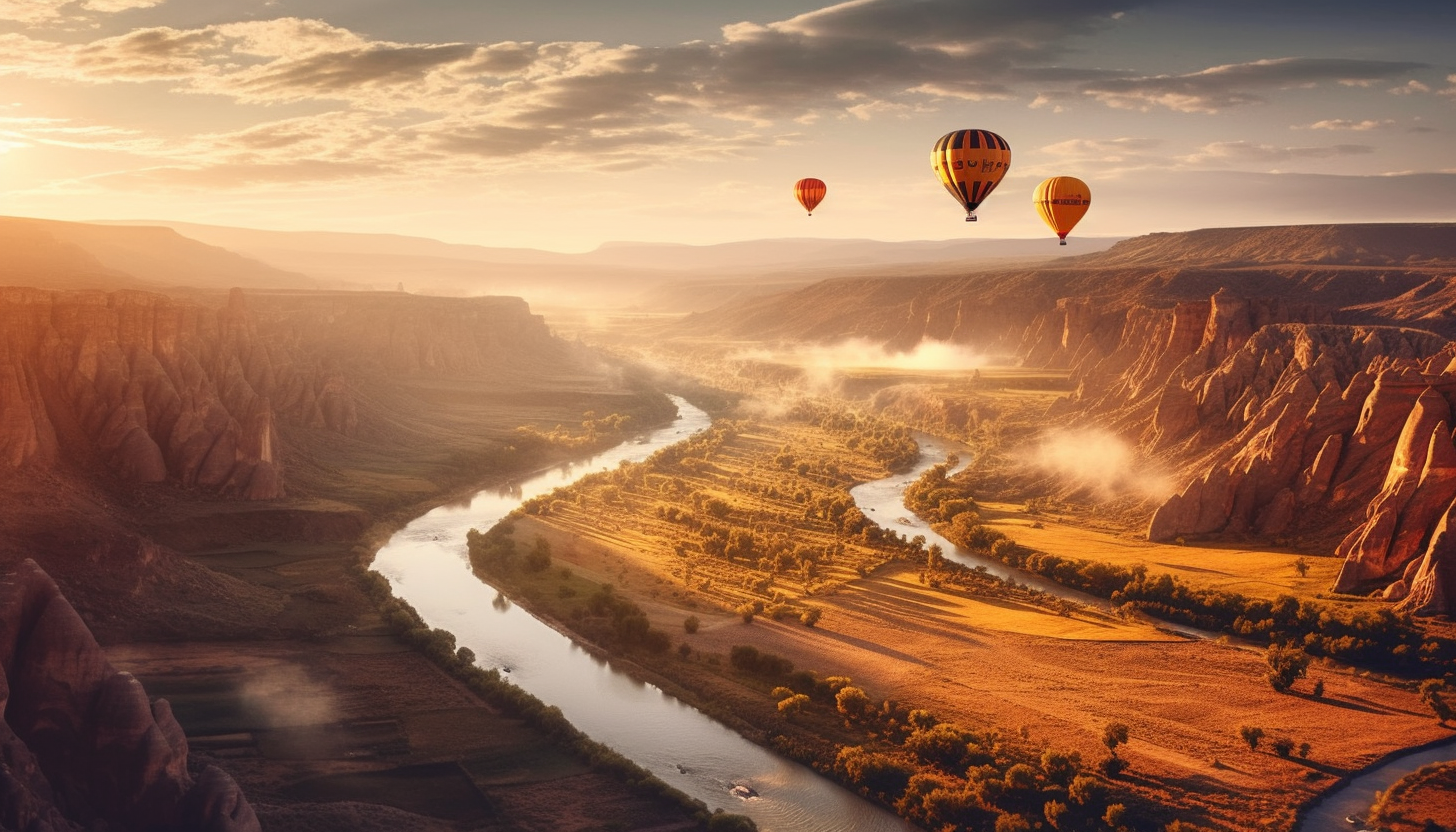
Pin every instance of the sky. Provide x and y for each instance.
(565, 124)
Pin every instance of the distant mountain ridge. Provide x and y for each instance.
(1369, 244)
(51, 254)
(613, 274)
(1395, 273)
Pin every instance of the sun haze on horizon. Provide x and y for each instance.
(563, 124)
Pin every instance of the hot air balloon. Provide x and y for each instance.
(970, 163)
(1062, 201)
(810, 193)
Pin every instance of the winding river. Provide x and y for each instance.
(427, 565)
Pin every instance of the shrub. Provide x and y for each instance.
(1286, 664)
(690, 624)
(1113, 766)
(1113, 735)
(1251, 735)
(1283, 746)
(852, 702)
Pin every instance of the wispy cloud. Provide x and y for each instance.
(1249, 152)
(1348, 124)
(382, 108)
(1232, 85)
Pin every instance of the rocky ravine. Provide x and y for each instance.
(1282, 424)
(80, 745)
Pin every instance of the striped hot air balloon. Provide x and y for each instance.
(1062, 201)
(970, 164)
(810, 192)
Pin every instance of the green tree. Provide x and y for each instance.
(852, 702)
(1251, 735)
(1286, 664)
(1113, 735)
(1431, 691)
(1059, 766)
(721, 821)
(793, 705)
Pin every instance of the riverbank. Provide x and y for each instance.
(1184, 702)
(339, 724)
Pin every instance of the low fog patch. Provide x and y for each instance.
(820, 362)
(286, 695)
(1101, 461)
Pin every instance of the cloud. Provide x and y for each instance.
(1107, 150)
(43, 12)
(114, 6)
(1231, 85)
(392, 109)
(1249, 152)
(1347, 124)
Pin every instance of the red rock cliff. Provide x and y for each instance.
(151, 387)
(82, 748)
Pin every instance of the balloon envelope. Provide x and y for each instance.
(810, 193)
(1062, 201)
(970, 164)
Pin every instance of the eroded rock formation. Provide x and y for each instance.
(80, 745)
(1283, 424)
(153, 388)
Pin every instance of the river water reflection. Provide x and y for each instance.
(427, 565)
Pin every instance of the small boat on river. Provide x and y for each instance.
(741, 791)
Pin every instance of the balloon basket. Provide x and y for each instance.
(1064, 242)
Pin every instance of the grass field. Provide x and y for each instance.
(1247, 570)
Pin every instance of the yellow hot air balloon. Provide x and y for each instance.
(1062, 201)
(970, 164)
(810, 193)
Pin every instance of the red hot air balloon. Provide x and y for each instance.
(810, 192)
(970, 164)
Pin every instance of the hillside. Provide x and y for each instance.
(70, 255)
(990, 309)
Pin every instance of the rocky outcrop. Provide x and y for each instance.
(1315, 431)
(154, 389)
(80, 746)
(1282, 427)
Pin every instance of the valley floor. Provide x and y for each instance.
(988, 662)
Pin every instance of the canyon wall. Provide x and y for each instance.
(1282, 424)
(82, 747)
(153, 388)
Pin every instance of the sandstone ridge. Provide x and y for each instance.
(1283, 424)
